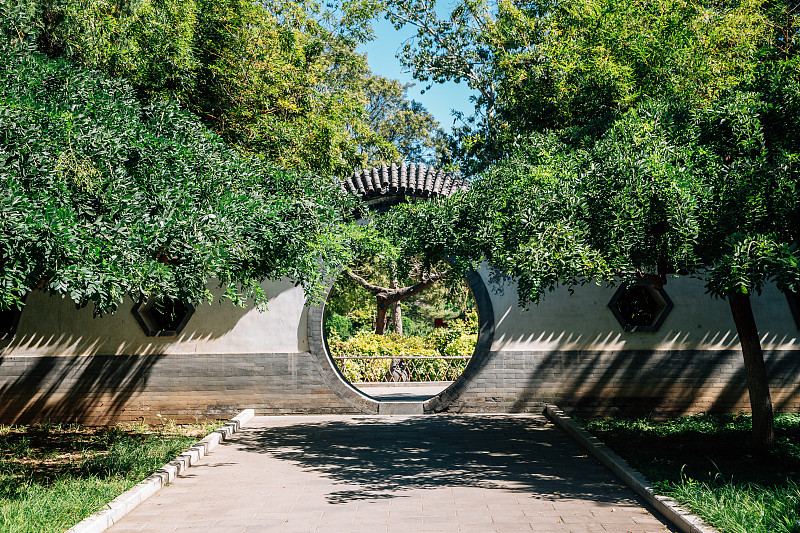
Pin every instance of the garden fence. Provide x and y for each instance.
(387, 369)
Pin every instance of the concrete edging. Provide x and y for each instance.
(128, 500)
(680, 517)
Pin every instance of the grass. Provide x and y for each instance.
(708, 465)
(53, 475)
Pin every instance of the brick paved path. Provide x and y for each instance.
(493, 473)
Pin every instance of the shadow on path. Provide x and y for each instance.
(382, 457)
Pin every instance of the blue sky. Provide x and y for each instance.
(440, 99)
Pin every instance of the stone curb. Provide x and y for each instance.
(680, 517)
(128, 500)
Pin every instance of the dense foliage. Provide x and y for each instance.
(103, 196)
(663, 189)
(355, 308)
(279, 79)
(401, 123)
(548, 65)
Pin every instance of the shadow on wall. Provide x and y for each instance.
(642, 382)
(614, 339)
(91, 390)
(116, 334)
(513, 454)
(53, 326)
(65, 365)
(49, 371)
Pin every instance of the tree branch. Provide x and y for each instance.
(406, 292)
(373, 289)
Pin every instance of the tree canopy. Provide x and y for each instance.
(104, 196)
(114, 187)
(281, 80)
(549, 65)
(625, 141)
(412, 133)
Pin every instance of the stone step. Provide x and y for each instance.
(400, 408)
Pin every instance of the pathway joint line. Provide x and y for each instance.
(128, 500)
(679, 516)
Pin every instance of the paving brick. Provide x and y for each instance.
(410, 474)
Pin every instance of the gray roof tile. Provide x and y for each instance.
(402, 179)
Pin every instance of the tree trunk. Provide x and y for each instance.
(389, 296)
(755, 372)
(397, 313)
(380, 320)
(397, 318)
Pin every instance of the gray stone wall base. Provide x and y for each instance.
(658, 382)
(100, 389)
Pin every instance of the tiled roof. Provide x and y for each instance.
(400, 180)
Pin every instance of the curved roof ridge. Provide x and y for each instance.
(386, 184)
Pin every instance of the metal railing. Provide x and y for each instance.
(387, 369)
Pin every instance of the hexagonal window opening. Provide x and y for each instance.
(165, 318)
(640, 307)
(794, 306)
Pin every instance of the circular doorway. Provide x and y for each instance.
(362, 400)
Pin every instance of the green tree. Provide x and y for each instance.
(280, 86)
(550, 65)
(751, 226)
(402, 123)
(103, 196)
(387, 272)
(274, 79)
(647, 136)
(713, 192)
(389, 295)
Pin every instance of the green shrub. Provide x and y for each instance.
(463, 345)
(417, 328)
(442, 342)
(441, 338)
(339, 326)
(365, 344)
